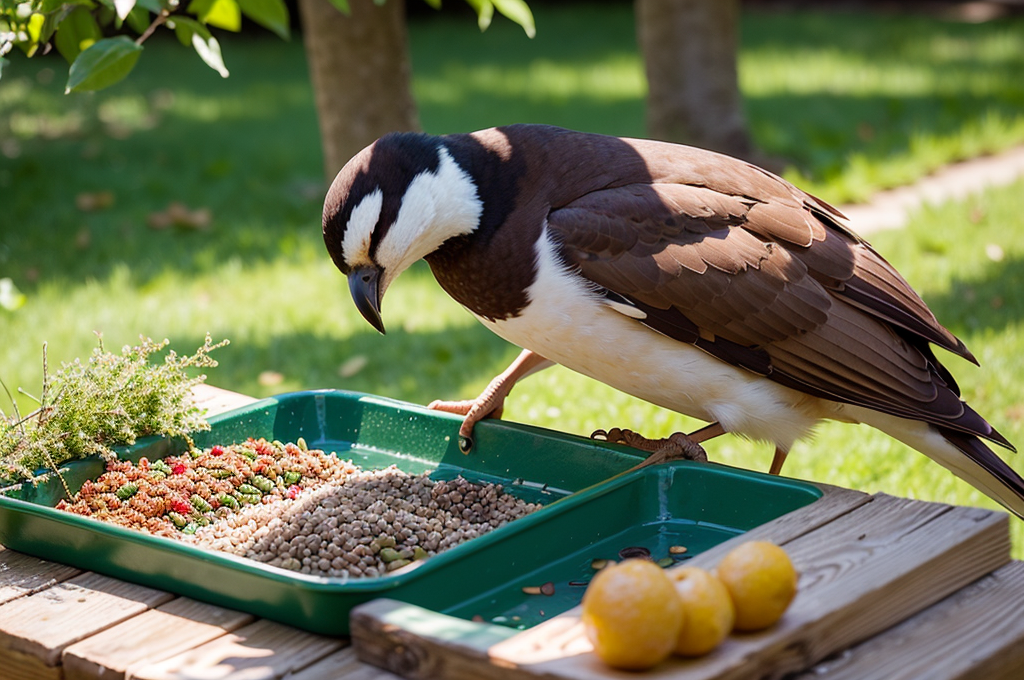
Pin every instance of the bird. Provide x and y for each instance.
(692, 280)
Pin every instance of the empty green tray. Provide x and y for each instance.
(591, 511)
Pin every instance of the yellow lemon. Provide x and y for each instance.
(632, 614)
(708, 611)
(761, 581)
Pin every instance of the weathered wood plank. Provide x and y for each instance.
(21, 666)
(217, 400)
(978, 632)
(45, 623)
(152, 636)
(343, 665)
(861, 573)
(22, 574)
(260, 651)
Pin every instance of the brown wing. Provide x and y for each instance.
(773, 284)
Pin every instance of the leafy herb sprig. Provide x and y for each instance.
(110, 400)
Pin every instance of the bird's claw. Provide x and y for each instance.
(677, 446)
(474, 411)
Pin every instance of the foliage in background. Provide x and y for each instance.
(87, 409)
(81, 29)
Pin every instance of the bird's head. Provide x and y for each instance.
(395, 202)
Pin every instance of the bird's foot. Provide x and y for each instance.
(490, 404)
(491, 401)
(677, 446)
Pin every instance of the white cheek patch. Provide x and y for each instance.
(356, 243)
(436, 206)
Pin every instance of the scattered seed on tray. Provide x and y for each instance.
(372, 523)
(296, 508)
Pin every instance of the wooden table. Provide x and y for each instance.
(890, 588)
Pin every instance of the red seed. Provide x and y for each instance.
(178, 469)
(294, 490)
(180, 506)
(217, 450)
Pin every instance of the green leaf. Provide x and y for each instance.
(342, 6)
(208, 50)
(3, 64)
(106, 62)
(123, 7)
(484, 12)
(138, 19)
(220, 13)
(154, 6)
(10, 297)
(77, 32)
(186, 27)
(271, 14)
(519, 12)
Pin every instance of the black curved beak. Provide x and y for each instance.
(363, 283)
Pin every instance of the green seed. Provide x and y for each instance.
(221, 473)
(262, 483)
(398, 564)
(418, 553)
(248, 490)
(228, 500)
(248, 453)
(389, 554)
(250, 498)
(199, 503)
(665, 562)
(160, 466)
(301, 443)
(127, 490)
(190, 528)
(292, 477)
(157, 475)
(179, 520)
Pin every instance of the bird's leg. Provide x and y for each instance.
(491, 401)
(674, 447)
(777, 461)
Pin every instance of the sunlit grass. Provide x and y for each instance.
(854, 101)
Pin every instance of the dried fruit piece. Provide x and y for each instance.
(127, 490)
(199, 503)
(262, 483)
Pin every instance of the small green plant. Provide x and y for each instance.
(111, 400)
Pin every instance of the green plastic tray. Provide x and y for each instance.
(591, 511)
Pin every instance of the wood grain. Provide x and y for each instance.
(170, 629)
(978, 632)
(260, 651)
(866, 570)
(343, 664)
(217, 400)
(22, 574)
(45, 623)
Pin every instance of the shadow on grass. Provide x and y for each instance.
(991, 302)
(417, 366)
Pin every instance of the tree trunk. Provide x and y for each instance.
(689, 49)
(360, 70)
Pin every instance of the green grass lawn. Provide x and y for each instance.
(855, 101)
